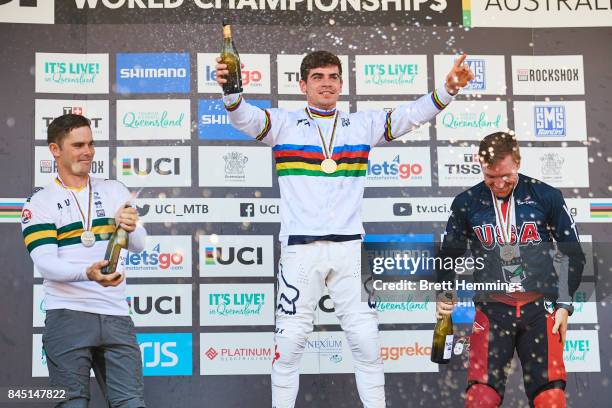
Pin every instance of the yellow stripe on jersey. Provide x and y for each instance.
(39, 234)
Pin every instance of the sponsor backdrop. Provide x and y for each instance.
(201, 294)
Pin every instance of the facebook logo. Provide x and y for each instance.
(213, 123)
(247, 209)
(153, 73)
(549, 120)
(165, 354)
(478, 68)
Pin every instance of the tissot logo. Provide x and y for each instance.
(550, 120)
(469, 165)
(27, 11)
(292, 76)
(402, 209)
(49, 109)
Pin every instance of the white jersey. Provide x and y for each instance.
(313, 202)
(52, 225)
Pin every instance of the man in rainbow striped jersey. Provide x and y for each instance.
(321, 162)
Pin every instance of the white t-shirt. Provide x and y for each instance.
(52, 225)
(313, 202)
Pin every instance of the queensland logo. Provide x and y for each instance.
(235, 162)
(391, 74)
(478, 68)
(490, 235)
(576, 350)
(552, 165)
(394, 170)
(153, 73)
(231, 304)
(470, 120)
(550, 120)
(159, 120)
(81, 73)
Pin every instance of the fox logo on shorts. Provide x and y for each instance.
(477, 328)
(289, 294)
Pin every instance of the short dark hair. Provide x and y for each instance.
(497, 146)
(318, 59)
(62, 125)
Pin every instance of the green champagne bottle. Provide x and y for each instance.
(442, 347)
(118, 241)
(230, 57)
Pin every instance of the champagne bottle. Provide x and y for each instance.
(230, 57)
(442, 347)
(118, 241)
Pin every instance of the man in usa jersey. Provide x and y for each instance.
(514, 223)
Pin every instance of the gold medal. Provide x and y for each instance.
(88, 238)
(329, 166)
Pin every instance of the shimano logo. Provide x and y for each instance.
(153, 73)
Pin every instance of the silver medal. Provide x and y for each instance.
(88, 238)
(507, 252)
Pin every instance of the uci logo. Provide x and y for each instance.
(228, 256)
(27, 11)
(163, 305)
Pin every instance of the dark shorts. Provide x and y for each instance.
(498, 331)
(75, 342)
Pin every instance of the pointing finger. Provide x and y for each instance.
(460, 60)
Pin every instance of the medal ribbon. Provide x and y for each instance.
(327, 152)
(504, 220)
(86, 222)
